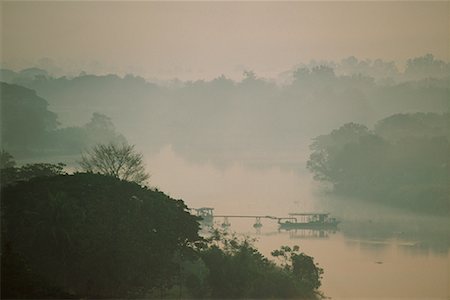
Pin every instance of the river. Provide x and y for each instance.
(375, 253)
(358, 266)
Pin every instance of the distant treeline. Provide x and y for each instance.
(402, 162)
(228, 119)
(29, 128)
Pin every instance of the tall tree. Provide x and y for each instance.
(120, 161)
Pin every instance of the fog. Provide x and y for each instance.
(233, 189)
(238, 145)
(260, 109)
(206, 39)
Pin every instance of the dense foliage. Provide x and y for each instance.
(11, 174)
(25, 118)
(91, 235)
(222, 120)
(231, 267)
(30, 129)
(403, 162)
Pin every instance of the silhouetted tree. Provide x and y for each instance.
(30, 171)
(301, 265)
(120, 161)
(12, 174)
(404, 163)
(6, 160)
(25, 118)
(325, 149)
(238, 270)
(94, 235)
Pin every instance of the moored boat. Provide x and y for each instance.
(308, 221)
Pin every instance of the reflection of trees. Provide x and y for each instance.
(413, 235)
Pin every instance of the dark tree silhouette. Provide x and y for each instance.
(91, 235)
(25, 119)
(238, 270)
(120, 161)
(402, 163)
(6, 160)
(10, 174)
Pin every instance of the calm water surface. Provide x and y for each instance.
(375, 253)
(361, 267)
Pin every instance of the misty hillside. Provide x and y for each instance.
(30, 129)
(245, 119)
(403, 162)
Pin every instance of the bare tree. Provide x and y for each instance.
(120, 161)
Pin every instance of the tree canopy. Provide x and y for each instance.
(93, 235)
(10, 174)
(236, 270)
(6, 160)
(402, 163)
(29, 129)
(90, 235)
(25, 117)
(221, 120)
(120, 161)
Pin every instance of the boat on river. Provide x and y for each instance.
(308, 221)
(205, 214)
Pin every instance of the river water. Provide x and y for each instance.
(375, 253)
(358, 266)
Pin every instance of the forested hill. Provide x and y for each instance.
(99, 237)
(402, 162)
(250, 116)
(29, 128)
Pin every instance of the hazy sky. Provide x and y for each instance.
(206, 39)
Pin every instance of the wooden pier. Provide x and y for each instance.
(316, 220)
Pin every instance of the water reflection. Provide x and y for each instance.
(365, 259)
(421, 236)
(310, 233)
(359, 266)
(374, 246)
(376, 253)
(428, 238)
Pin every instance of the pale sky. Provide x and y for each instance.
(205, 39)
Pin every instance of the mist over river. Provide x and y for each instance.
(120, 120)
(376, 252)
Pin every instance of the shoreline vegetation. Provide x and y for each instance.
(402, 163)
(96, 236)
